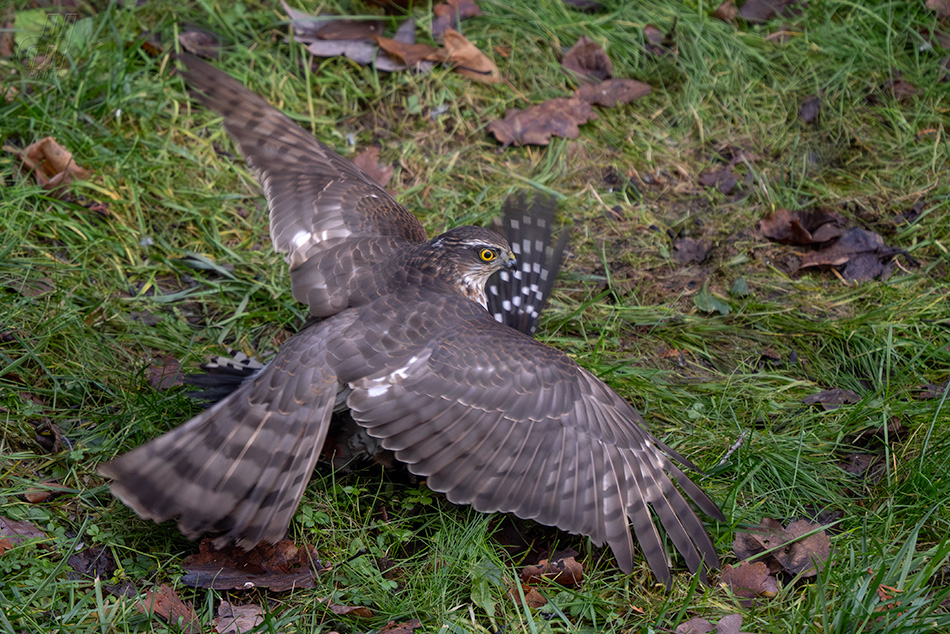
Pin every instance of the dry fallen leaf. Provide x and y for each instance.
(400, 628)
(532, 598)
(941, 7)
(468, 60)
(359, 611)
(659, 43)
(165, 372)
(690, 250)
(862, 253)
(810, 109)
(368, 161)
(410, 54)
(749, 580)
(758, 11)
(15, 531)
(562, 568)
(447, 15)
(832, 399)
(237, 619)
(727, 11)
(281, 566)
(165, 603)
(52, 165)
(802, 227)
(791, 552)
(588, 61)
(613, 92)
(537, 124)
(722, 179)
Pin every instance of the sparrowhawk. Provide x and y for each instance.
(488, 415)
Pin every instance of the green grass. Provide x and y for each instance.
(114, 289)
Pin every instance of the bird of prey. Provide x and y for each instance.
(402, 335)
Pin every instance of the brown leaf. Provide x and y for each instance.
(722, 179)
(44, 491)
(343, 29)
(401, 628)
(690, 250)
(758, 11)
(200, 42)
(91, 562)
(832, 399)
(941, 7)
(468, 60)
(659, 43)
(411, 53)
(448, 13)
(165, 373)
(165, 603)
(588, 61)
(727, 11)
(281, 566)
(749, 580)
(810, 109)
(15, 531)
(803, 555)
(360, 51)
(612, 92)
(802, 227)
(52, 165)
(695, 626)
(359, 611)
(532, 597)
(862, 253)
(537, 124)
(28, 286)
(237, 619)
(562, 568)
(368, 161)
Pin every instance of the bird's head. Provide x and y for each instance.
(468, 256)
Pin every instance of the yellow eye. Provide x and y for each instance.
(487, 255)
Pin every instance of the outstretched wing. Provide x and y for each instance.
(241, 466)
(517, 297)
(330, 218)
(500, 421)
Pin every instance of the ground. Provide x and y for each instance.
(675, 290)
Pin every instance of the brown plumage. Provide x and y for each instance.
(489, 416)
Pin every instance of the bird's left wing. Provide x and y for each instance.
(332, 220)
(500, 421)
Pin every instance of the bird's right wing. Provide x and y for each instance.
(330, 218)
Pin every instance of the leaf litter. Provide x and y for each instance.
(279, 567)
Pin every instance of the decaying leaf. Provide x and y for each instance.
(941, 7)
(165, 372)
(586, 6)
(802, 227)
(749, 580)
(532, 598)
(237, 619)
(359, 611)
(13, 532)
(862, 253)
(727, 11)
(537, 124)
(44, 491)
(401, 628)
(791, 551)
(729, 624)
(165, 603)
(832, 399)
(588, 61)
(721, 178)
(613, 92)
(447, 15)
(51, 164)
(810, 109)
(281, 566)
(690, 250)
(561, 568)
(91, 562)
(758, 11)
(468, 60)
(368, 161)
(659, 43)
(410, 53)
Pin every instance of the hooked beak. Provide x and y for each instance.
(512, 261)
